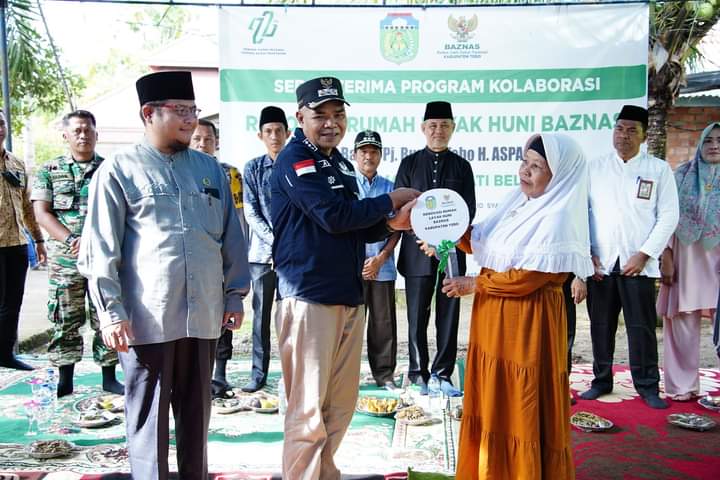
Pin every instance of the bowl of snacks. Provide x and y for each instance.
(589, 422)
(95, 419)
(413, 415)
(43, 449)
(377, 406)
(710, 402)
(691, 421)
(226, 406)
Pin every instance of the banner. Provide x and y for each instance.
(508, 71)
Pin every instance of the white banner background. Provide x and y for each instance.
(511, 55)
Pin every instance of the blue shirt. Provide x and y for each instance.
(320, 225)
(162, 245)
(369, 189)
(256, 195)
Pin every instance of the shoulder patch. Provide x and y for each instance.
(303, 167)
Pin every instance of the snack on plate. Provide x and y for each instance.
(692, 421)
(710, 402)
(414, 412)
(43, 449)
(590, 422)
(378, 405)
(268, 403)
(112, 403)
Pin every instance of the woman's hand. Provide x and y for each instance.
(667, 267)
(578, 288)
(458, 286)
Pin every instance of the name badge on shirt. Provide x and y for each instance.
(645, 188)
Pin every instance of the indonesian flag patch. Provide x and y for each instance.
(303, 167)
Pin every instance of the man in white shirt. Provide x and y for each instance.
(633, 213)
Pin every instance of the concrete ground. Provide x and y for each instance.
(34, 325)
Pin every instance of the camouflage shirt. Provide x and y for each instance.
(64, 183)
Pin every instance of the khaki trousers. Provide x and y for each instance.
(320, 348)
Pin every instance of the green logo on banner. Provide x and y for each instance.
(263, 27)
(399, 37)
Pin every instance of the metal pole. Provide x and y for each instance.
(5, 73)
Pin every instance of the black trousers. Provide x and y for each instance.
(571, 319)
(158, 376)
(264, 283)
(13, 269)
(419, 293)
(381, 329)
(635, 296)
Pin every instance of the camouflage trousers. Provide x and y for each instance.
(67, 312)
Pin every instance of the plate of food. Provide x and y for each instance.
(414, 415)
(377, 406)
(267, 405)
(691, 421)
(225, 406)
(710, 402)
(589, 422)
(111, 403)
(44, 449)
(95, 419)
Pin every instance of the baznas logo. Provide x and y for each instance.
(399, 37)
(430, 202)
(462, 28)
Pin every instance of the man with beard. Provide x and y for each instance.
(165, 260)
(435, 166)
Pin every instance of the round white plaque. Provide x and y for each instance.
(440, 214)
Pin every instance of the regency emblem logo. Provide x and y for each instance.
(399, 37)
(263, 27)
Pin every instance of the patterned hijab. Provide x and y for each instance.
(698, 184)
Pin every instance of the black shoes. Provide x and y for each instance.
(593, 393)
(252, 386)
(14, 363)
(654, 401)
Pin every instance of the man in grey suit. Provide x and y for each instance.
(166, 265)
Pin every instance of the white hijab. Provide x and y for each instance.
(550, 233)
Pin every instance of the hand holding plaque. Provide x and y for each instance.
(440, 217)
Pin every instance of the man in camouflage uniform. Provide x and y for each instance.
(60, 197)
(205, 139)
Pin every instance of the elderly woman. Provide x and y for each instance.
(516, 408)
(690, 265)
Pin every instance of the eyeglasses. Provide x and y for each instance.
(182, 110)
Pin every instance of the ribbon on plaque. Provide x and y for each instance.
(439, 218)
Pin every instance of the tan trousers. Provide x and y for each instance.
(320, 348)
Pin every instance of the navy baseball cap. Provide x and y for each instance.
(318, 91)
(368, 137)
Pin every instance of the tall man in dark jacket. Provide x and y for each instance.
(432, 167)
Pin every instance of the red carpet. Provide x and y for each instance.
(642, 445)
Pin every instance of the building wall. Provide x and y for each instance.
(684, 127)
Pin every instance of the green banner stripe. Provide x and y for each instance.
(458, 86)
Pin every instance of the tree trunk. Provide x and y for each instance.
(657, 126)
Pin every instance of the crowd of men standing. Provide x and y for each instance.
(166, 241)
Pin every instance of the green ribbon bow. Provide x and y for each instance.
(443, 251)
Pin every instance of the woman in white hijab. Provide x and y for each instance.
(516, 407)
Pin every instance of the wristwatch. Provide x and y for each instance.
(70, 238)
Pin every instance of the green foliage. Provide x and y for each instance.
(159, 25)
(35, 84)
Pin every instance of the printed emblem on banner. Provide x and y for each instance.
(264, 26)
(461, 30)
(462, 27)
(303, 167)
(399, 37)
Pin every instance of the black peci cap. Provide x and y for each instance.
(438, 110)
(272, 115)
(635, 113)
(176, 85)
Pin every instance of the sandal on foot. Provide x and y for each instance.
(682, 397)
